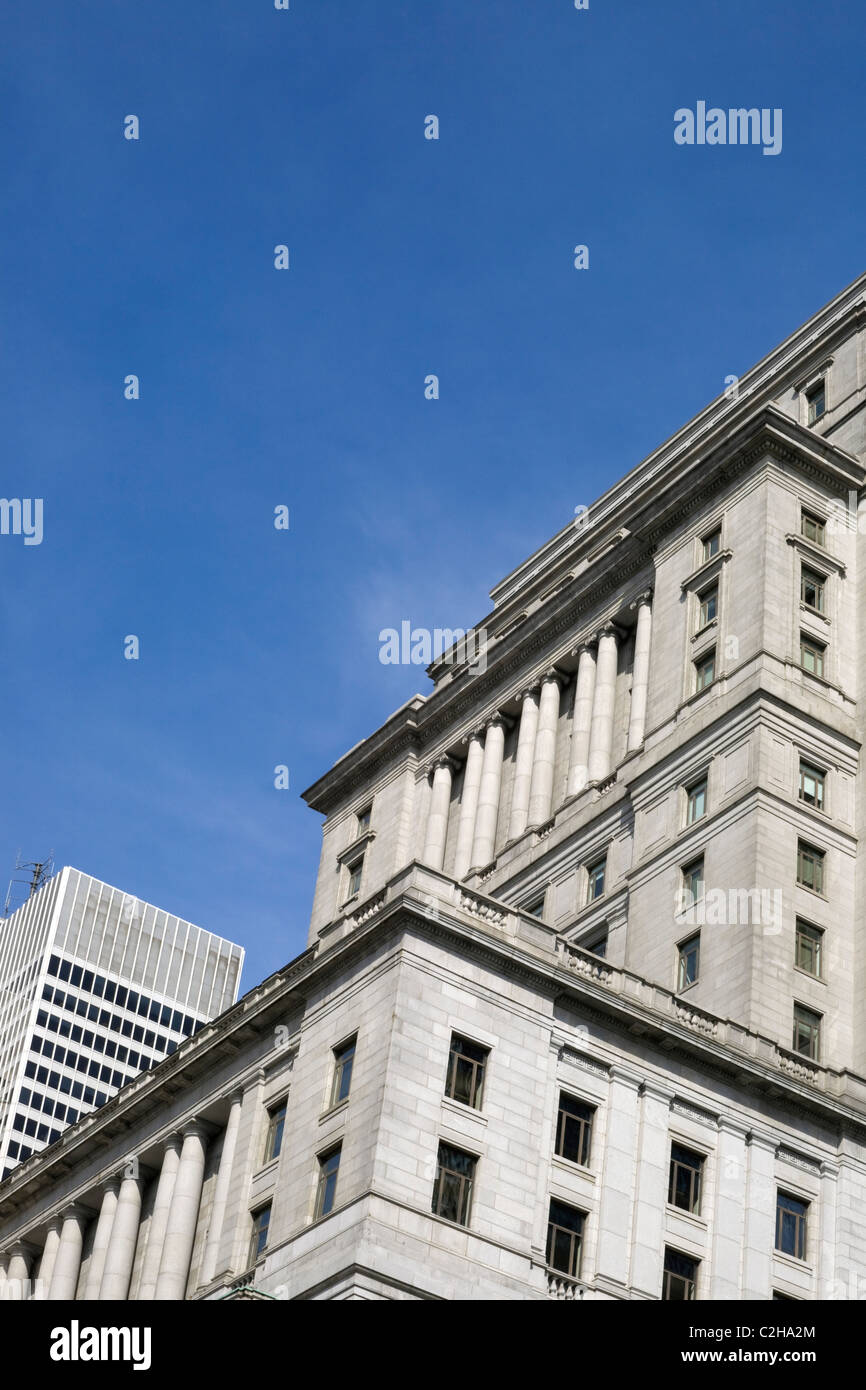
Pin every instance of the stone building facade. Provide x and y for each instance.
(580, 1015)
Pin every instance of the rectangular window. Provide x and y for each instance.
(809, 948)
(816, 402)
(813, 528)
(354, 872)
(466, 1065)
(684, 1180)
(812, 587)
(705, 670)
(810, 867)
(452, 1191)
(693, 881)
(595, 879)
(364, 819)
(259, 1238)
(791, 1214)
(274, 1137)
(709, 603)
(711, 544)
(697, 802)
(536, 907)
(344, 1059)
(574, 1129)
(565, 1238)
(596, 943)
(689, 961)
(680, 1278)
(807, 1032)
(811, 785)
(329, 1167)
(812, 656)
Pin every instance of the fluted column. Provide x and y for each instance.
(159, 1219)
(18, 1271)
(182, 1216)
(523, 763)
(603, 705)
(101, 1238)
(581, 719)
(484, 844)
(640, 672)
(120, 1255)
(67, 1262)
(469, 803)
(49, 1255)
(437, 817)
(223, 1184)
(544, 761)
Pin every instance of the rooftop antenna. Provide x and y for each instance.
(40, 870)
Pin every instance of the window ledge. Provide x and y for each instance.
(457, 1107)
(568, 1165)
(819, 979)
(706, 570)
(792, 1261)
(358, 845)
(816, 552)
(266, 1168)
(814, 613)
(333, 1110)
(707, 628)
(700, 1222)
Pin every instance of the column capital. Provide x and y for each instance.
(444, 762)
(236, 1096)
(75, 1211)
(553, 673)
(726, 1124)
(500, 719)
(477, 734)
(762, 1141)
(194, 1129)
(111, 1184)
(531, 689)
(610, 629)
(626, 1077)
(172, 1142)
(54, 1223)
(642, 600)
(589, 644)
(657, 1090)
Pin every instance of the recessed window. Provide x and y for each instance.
(354, 872)
(326, 1192)
(680, 1277)
(693, 881)
(812, 586)
(596, 942)
(709, 604)
(565, 1238)
(536, 907)
(452, 1191)
(812, 655)
(711, 544)
(791, 1216)
(810, 867)
(684, 1179)
(364, 819)
(816, 402)
(784, 1297)
(689, 961)
(807, 1032)
(595, 879)
(811, 785)
(344, 1058)
(274, 1137)
(705, 670)
(574, 1129)
(809, 948)
(813, 528)
(259, 1238)
(466, 1065)
(696, 804)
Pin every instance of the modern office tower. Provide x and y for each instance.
(581, 1014)
(95, 987)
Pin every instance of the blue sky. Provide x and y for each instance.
(306, 387)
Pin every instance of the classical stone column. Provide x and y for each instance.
(640, 672)
(223, 1185)
(159, 1219)
(523, 763)
(182, 1216)
(581, 719)
(484, 844)
(603, 705)
(543, 764)
(67, 1262)
(120, 1255)
(437, 817)
(49, 1255)
(760, 1234)
(110, 1190)
(730, 1210)
(18, 1271)
(469, 803)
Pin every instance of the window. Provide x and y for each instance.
(791, 1213)
(344, 1058)
(536, 907)
(684, 1181)
(574, 1129)
(705, 670)
(259, 1238)
(811, 785)
(693, 881)
(816, 402)
(784, 1297)
(807, 1032)
(808, 949)
(812, 656)
(276, 1125)
(680, 1278)
(565, 1238)
(595, 879)
(689, 961)
(353, 874)
(711, 544)
(813, 528)
(466, 1064)
(596, 942)
(329, 1167)
(696, 806)
(452, 1191)
(364, 819)
(810, 867)
(709, 604)
(812, 589)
